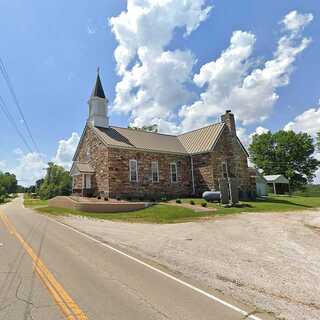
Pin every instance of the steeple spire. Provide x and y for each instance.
(98, 89)
(98, 106)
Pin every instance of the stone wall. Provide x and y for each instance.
(208, 166)
(93, 151)
(112, 169)
(229, 149)
(119, 184)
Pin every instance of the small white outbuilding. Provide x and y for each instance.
(278, 183)
(261, 182)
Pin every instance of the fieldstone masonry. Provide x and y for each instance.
(111, 166)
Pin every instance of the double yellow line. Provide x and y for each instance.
(66, 304)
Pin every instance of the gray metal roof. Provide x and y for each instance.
(279, 178)
(138, 139)
(201, 140)
(197, 141)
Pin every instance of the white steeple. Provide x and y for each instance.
(98, 106)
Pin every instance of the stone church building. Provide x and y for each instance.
(126, 163)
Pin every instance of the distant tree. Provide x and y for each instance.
(38, 185)
(151, 128)
(21, 189)
(287, 153)
(57, 182)
(8, 183)
(318, 141)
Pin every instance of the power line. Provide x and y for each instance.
(10, 118)
(6, 77)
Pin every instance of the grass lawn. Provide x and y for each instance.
(31, 203)
(270, 204)
(162, 213)
(159, 213)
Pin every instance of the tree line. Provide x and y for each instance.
(284, 152)
(288, 153)
(8, 185)
(57, 182)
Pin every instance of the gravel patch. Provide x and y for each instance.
(269, 260)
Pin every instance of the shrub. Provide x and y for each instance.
(98, 197)
(106, 199)
(204, 204)
(192, 202)
(2, 198)
(118, 198)
(178, 201)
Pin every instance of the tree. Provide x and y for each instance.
(39, 184)
(318, 141)
(151, 128)
(8, 183)
(287, 153)
(57, 182)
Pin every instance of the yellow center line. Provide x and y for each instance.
(66, 304)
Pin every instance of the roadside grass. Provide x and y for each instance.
(269, 204)
(33, 203)
(163, 213)
(159, 213)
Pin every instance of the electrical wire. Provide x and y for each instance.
(6, 77)
(10, 118)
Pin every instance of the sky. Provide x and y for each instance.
(179, 64)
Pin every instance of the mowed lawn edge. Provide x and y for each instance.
(163, 213)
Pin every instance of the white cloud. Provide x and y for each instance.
(220, 77)
(150, 24)
(154, 80)
(66, 150)
(246, 138)
(30, 168)
(308, 121)
(250, 94)
(295, 21)
(155, 85)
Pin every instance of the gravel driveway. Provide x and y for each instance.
(270, 260)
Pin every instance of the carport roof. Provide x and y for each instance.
(277, 178)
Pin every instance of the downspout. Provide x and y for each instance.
(192, 177)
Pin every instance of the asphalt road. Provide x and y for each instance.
(49, 271)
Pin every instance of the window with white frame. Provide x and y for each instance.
(174, 172)
(155, 171)
(88, 154)
(133, 168)
(225, 171)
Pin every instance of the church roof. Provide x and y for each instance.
(202, 139)
(98, 89)
(197, 141)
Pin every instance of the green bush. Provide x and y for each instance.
(192, 202)
(204, 204)
(2, 198)
(178, 201)
(57, 182)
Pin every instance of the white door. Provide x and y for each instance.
(87, 179)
